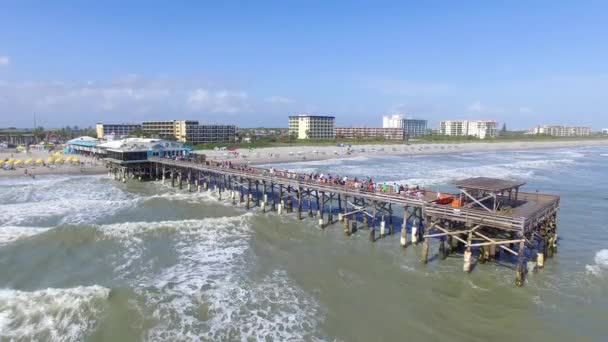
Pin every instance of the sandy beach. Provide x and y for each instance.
(311, 153)
(89, 165)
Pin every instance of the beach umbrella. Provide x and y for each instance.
(57, 154)
(28, 161)
(39, 161)
(58, 160)
(76, 160)
(18, 162)
(9, 162)
(50, 160)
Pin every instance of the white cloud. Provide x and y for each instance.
(125, 99)
(476, 107)
(278, 100)
(4, 61)
(223, 101)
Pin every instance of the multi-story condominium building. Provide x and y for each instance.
(605, 131)
(190, 131)
(412, 127)
(392, 121)
(118, 130)
(370, 132)
(209, 134)
(174, 129)
(562, 131)
(312, 126)
(478, 128)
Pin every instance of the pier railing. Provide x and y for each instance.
(295, 180)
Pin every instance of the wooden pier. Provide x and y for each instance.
(485, 217)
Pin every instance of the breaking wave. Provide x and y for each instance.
(51, 314)
(13, 233)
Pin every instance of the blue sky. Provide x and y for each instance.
(254, 63)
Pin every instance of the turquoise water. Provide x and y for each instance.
(88, 258)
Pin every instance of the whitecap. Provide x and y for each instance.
(51, 314)
(13, 233)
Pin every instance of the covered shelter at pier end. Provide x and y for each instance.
(491, 194)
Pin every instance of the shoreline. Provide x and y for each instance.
(276, 155)
(268, 155)
(89, 166)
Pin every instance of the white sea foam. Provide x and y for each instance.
(601, 264)
(207, 293)
(275, 309)
(50, 314)
(515, 170)
(73, 200)
(13, 233)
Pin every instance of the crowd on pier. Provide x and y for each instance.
(365, 184)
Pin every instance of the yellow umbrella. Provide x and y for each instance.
(18, 162)
(50, 160)
(28, 161)
(58, 160)
(57, 154)
(75, 159)
(39, 161)
(9, 162)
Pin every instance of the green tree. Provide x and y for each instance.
(39, 133)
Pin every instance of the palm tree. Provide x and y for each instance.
(39, 133)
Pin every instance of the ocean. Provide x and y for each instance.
(89, 258)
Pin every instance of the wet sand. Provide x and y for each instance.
(311, 153)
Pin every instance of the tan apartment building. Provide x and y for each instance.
(118, 130)
(312, 126)
(478, 128)
(394, 133)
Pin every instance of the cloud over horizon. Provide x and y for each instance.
(4, 61)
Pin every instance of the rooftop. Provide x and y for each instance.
(311, 116)
(141, 144)
(488, 184)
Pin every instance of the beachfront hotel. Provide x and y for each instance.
(312, 126)
(562, 131)
(117, 130)
(605, 131)
(411, 127)
(394, 133)
(477, 128)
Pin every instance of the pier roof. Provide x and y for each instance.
(488, 184)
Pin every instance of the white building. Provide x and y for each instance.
(478, 128)
(312, 126)
(412, 127)
(562, 131)
(605, 131)
(392, 121)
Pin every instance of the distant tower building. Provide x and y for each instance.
(562, 131)
(411, 127)
(312, 126)
(477, 128)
